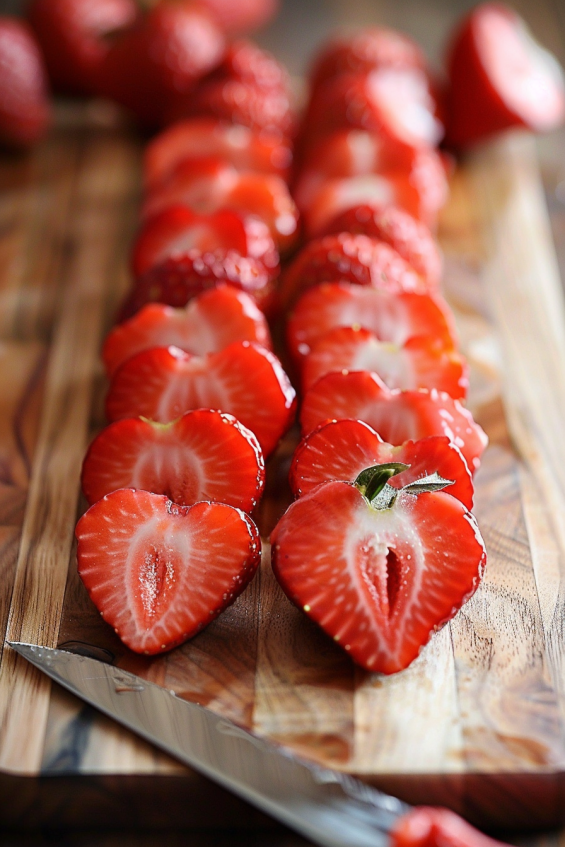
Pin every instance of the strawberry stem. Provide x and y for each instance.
(373, 484)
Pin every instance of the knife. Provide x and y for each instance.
(330, 808)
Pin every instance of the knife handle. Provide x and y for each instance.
(426, 826)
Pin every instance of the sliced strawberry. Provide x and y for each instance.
(500, 77)
(373, 47)
(243, 16)
(152, 68)
(25, 112)
(348, 258)
(243, 380)
(354, 152)
(341, 450)
(209, 185)
(409, 237)
(198, 138)
(397, 416)
(390, 316)
(159, 573)
(178, 230)
(378, 569)
(203, 455)
(422, 362)
(207, 324)
(74, 37)
(397, 103)
(425, 826)
(238, 101)
(181, 277)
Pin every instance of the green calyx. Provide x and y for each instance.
(373, 484)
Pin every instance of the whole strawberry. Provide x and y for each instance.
(378, 568)
(74, 37)
(25, 112)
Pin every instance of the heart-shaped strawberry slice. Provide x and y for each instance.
(397, 416)
(341, 450)
(378, 574)
(243, 380)
(157, 572)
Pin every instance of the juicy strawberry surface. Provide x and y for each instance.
(243, 379)
(183, 276)
(246, 61)
(422, 362)
(390, 316)
(203, 455)
(152, 68)
(209, 185)
(25, 112)
(341, 450)
(397, 416)
(372, 47)
(198, 138)
(207, 324)
(158, 572)
(410, 237)
(378, 581)
(500, 77)
(243, 16)
(348, 258)
(74, 37)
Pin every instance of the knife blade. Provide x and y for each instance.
(330, 808)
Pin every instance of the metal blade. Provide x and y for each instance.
(330, 808)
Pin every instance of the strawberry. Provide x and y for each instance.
(203, 455)
(243, 380)
(74, 36)
(377, 568)
(177, 230)
(341, 450)
(159, 573)
(246, 61)
(242, 102)
(500, 77)
(425, 826)
(409, 237)
(25, 112)
(422, 362)
(397, 103)
(181, 277)
(154, 66)
(390, 316)
(348, 258)
(198, 138)
(208, 185)
(373, 47)
(397, 416)
(243, 16)
(207, 324)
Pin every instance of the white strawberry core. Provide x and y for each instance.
(527, 77)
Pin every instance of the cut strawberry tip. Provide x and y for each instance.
(373, 484)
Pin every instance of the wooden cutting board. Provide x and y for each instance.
(477, 722)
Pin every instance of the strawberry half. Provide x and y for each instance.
(198, 138)
(410, 237)
(379, 569)
(159, 573)
(422, 362)
(178, 229)
(390, 316)
(341, 450)
(243, 380)
(500, 77)
(348, 258)
(181, 277)
(203, 455)
(397, 416)
(207, 324)
(25, 112)
(208, 185)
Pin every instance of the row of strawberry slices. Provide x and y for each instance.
(373, 549)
